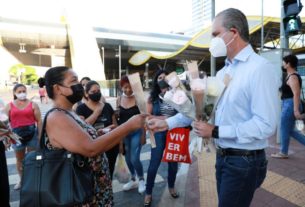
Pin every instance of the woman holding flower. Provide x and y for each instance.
(161, 110)
(127, 107)
(25, 120)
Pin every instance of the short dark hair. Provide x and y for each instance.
(18, 85)
(292, 60)
(53, 76)
(234, 18)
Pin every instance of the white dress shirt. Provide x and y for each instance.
(247, 114)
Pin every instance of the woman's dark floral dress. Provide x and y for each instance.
(99, 164)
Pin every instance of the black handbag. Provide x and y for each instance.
(25, 132)
(55, 177)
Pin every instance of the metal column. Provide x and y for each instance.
(284, 39)
(212, 60)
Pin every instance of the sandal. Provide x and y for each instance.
(279, 155)
(174, 194)
(148, 203)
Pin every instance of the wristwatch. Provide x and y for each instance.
(215, 134)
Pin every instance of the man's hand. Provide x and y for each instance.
(203, 129)
(157, 125)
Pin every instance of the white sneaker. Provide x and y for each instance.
(141, 187)
(130, 185)
(17, 186)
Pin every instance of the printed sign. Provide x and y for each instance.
(177, 146)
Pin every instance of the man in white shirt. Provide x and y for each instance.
(245, 116)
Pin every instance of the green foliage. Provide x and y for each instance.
(26, 74)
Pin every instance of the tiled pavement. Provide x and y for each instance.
(284, 185)
(126, 199)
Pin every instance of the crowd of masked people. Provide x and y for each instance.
(115, 131)
(246, 115)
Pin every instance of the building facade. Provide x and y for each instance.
(201, 15)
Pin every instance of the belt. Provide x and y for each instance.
(238, 152)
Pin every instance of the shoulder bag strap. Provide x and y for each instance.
(44, 124)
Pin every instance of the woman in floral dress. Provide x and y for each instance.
(66, 130)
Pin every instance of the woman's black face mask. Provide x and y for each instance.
(96, 97)
(77, 95)
(162, 84)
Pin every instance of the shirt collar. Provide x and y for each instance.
(241, 56)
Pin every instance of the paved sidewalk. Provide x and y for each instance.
(284, 185)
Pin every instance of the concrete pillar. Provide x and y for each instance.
(7, 61)
(84, 51)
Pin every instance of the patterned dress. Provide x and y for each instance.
(99, 164)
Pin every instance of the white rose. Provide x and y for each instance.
(215, 86)
(168, 95)
(198, 84)
(174, 82)
(179, 97)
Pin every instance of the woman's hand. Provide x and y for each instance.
(100, 132)
(7, 144)
(297, 114)
(137, 121)
(112, 126)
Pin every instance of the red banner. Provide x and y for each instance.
(177, 146)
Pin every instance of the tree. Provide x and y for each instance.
(23, 73)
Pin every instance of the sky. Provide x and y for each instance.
(162, 16)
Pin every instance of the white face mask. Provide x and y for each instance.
(124, 94)
(218, 47)
(21, 96)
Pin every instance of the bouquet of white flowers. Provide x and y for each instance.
(215, 90)
(198, 89)
(177, 97)
(206, 92)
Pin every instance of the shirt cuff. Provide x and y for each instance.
(178, 120)
(227, 131)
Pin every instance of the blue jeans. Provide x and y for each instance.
(155, 160)
(287, 126)
(132, 153)
(238, 177)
